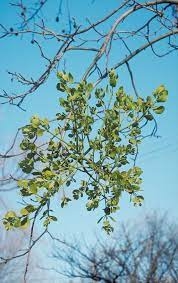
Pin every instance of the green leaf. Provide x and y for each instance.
(27, 165)
(65, 201)
(48, 174)
(113, 78)
(70, 78)
(10, 214)
(53, 218)
(137, 200)
(149, 117)
(76, 194)
(25, 222)
(159, 109)
(107, 227)
(22, 183)
(35, 121)
(24, 211)
(133, 141)
(61, 87)
(27, 210)
(89, 87)
(40, 132)
(163, 96)
(33, 188)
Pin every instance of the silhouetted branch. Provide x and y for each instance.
(145, 254)
(161, 24)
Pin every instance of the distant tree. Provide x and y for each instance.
(147, 252)
(10, 245)
(15, 268)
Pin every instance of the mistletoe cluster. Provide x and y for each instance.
(88, 150)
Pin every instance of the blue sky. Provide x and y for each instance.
(158, 157)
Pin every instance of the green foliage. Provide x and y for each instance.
(90, 150)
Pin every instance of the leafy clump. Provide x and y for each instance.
(90, 150)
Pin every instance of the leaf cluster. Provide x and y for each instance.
(90, 150)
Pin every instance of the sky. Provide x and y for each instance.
(158, 156)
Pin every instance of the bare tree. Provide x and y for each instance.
(102, 39)
(10, 244)
(13, 266)
(145, 253)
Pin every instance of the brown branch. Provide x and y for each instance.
(137, 51)
(5, 260)
(115, 25)
(132, 79)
